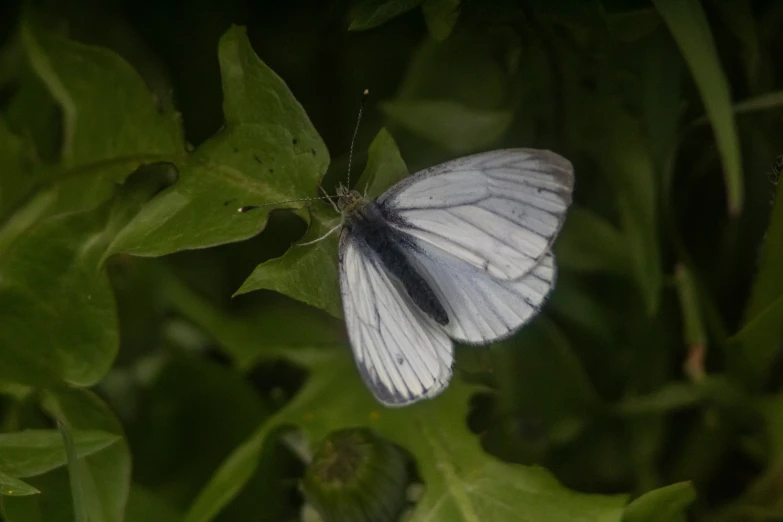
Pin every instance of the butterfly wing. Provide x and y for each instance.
(498, 211)
(402, 355)
(482, 308)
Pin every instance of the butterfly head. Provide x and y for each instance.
(349, 201)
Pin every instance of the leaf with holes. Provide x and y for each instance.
(267, 152)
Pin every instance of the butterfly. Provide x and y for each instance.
(461, 251)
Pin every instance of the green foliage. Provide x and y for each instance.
(665, 503)
(373, 13)
(267, 152)
(164, 357)
(688, 24)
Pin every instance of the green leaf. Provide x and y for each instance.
(148, 506)
(84, 503)
(15, 180)
(56, 307)
(589, 243)
(689, 26)
(35, 116)
(632, 25)
(308, 273)
(760, 103)
(614, 139)
(229, 479)
(462, 481)
(14, 487)
(753, 349)
(670, 396)
(579, 304)
(695, 336)
(34, 452)
(267, 152)
(539, 374)
(763, 492)
(275, 332)
(739, 18)
(56, 304)
(107, 471)
(455, 127)
(195, 391)
(372, 13)
(457, 94)
(667, 503)
(441, 17)
(96, 89)
(757, 344)
(385, 167)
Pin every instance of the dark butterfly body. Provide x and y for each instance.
(369, 226)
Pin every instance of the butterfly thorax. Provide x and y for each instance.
(368, 226)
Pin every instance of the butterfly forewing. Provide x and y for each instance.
(402, 354)
(499, 211)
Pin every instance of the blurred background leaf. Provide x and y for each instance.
(139, 307)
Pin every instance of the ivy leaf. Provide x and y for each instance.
(267, 152)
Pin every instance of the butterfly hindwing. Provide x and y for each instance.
(481, 308)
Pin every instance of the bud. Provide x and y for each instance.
(357, 476)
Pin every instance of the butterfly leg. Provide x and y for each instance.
(322, 237)
(334, 205)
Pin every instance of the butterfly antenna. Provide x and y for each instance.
(365, 94)
(248, 208)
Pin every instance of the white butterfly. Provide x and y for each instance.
(460, 251)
